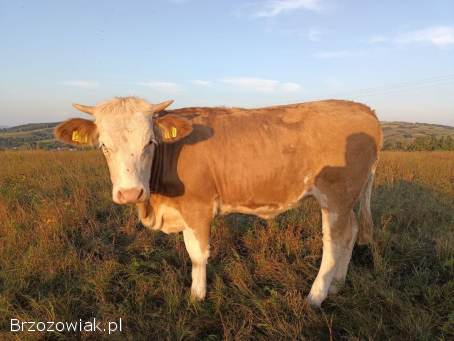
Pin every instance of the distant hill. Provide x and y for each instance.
(29, 136)
(30, 127)
(417, 136)
(398, 136)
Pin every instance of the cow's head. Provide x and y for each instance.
(127, 130)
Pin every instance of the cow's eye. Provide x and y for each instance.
(104, 148)
(147, 145)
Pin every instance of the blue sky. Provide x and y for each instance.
(396, 56)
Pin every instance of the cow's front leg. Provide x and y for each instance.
(197, 245)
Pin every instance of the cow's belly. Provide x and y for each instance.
(262, 207)
(265, 194)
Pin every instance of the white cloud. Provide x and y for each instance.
(333, 54)
(290, 87)
(314, 34)
(202, 82)
(81, 83)
(262, 85)
(436, 35)
(377, 39)
(257, 84)
(165, 87)
(271, 8)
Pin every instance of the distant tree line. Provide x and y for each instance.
(29, 127)
(421, 143)
(29, 143)
(43, 139)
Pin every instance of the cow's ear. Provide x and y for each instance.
(173, 128)
(78, 132)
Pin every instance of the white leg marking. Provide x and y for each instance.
(199, 259)
(344, 261)
(331, 253)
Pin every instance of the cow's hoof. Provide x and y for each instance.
(335, 287)
(314, 300)
(197, 295)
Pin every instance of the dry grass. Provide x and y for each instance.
(66, 253)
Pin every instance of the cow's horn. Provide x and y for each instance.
(84, 108)
(156, 108)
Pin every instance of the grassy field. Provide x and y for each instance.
(68, 253)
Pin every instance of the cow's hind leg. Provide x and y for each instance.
(344, 259)
(337, 243)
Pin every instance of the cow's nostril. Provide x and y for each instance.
(132, 195)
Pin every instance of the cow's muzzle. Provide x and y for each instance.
(130, 195)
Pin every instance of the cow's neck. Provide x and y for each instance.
(164, 178)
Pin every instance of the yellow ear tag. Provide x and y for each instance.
(173, 132)
(79, 138)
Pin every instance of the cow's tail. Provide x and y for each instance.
(366, 224)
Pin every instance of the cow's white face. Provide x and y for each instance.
(127, 144)
(124, 130)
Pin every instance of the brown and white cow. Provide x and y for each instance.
(183, 167)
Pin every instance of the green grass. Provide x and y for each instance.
(68, 253)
